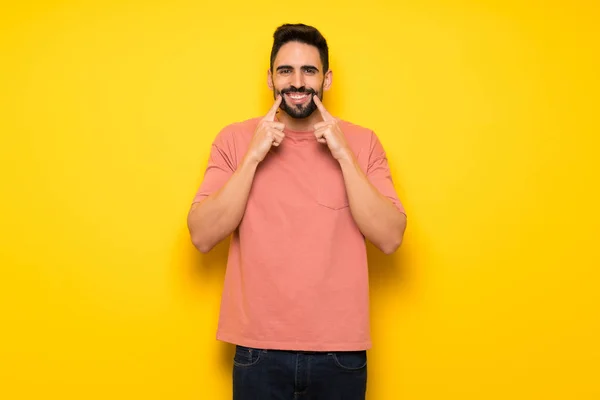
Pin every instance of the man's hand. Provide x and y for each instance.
(328, 131)
(268, 133)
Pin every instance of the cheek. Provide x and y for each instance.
(315, 84)
(278, 88)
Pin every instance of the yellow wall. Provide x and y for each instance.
(486, 109)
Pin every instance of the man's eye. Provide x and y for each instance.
(310, 71)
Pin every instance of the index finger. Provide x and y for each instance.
(321, 107)
(270, 116)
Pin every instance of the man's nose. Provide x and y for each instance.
(298, 79)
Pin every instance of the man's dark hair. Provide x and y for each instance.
(300, 33)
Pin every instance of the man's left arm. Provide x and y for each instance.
(373, 201)
(372, 198)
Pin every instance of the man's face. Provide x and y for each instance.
(298, 75)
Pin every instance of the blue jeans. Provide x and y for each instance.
(260, 374)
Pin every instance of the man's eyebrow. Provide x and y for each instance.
(305, 67)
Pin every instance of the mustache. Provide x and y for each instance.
(298, 90)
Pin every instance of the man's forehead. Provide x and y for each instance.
(297, 55)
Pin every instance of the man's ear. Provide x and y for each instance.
(270, 79)
(328, 80)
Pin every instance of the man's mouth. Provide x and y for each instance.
(297, 98)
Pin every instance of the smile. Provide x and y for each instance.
(297, 98)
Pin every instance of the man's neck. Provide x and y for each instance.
(299, 124)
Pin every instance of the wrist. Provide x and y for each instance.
(249, 162)
(345, 157)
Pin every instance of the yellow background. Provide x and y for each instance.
(488, 114)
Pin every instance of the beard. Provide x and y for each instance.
(298, 111)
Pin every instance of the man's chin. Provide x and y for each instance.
(300, 116)
(295, 113)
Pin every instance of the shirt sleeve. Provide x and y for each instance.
(221, 165)
(378, 173)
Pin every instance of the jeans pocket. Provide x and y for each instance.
(247, 356)
(350, 360)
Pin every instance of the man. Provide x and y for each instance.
(299, 191)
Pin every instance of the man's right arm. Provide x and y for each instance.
(219, 214)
